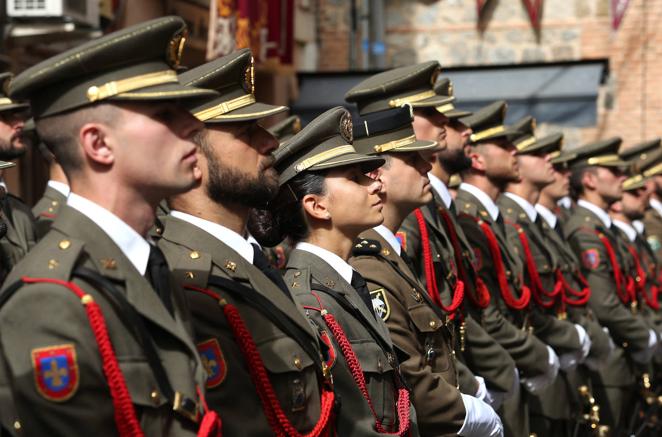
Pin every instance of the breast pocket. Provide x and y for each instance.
(435, 338)
(293, 375)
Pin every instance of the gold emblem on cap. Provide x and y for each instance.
(435, 75)
(249, 77)
(346, 127)
(296, 125)
(451, 91)
(176, 48)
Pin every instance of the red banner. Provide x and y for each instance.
(618, 8)
(534, 9)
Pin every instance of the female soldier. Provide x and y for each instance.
(325, 201)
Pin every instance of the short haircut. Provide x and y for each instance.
(576, 180)
(60, 132)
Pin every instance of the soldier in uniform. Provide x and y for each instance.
(508, 318)
(20, 236)
(325, 201)
(653, 217)
(550, 416)
(57, 188)
(449, 261)
(596, 183)
(417, 324)
(575, 292)
(265, 373)
(86, 342)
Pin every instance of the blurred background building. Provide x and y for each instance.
(588, 67)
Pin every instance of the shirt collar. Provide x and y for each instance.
(565, 202)
(60, 187)
(601, 213)
(524, 204)
(627, 228)
(236, 242)
(639, 226)
(389, 237)
(338, 264)
(547, 215)
(131, 243)
(483, 198)
(441, 190)
(656, 205)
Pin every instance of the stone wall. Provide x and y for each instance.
(416, 30)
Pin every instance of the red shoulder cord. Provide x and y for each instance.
(652, 302)
(544, 298)
(402, 403)
(571, 296)
(482, 297)
(278, 421)
(431, 277)
(625, 294)
(125, 415)
(495, 251)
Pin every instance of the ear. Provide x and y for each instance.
(97, 143)
(315, 206)
(589, 180)
(477, 160)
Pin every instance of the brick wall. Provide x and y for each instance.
(417, 30)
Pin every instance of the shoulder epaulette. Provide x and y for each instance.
(55, 257)
(364, 246)
(467, 208)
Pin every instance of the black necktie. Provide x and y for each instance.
(406, 259)
(260, 261)
(158, 275)
(358, 283)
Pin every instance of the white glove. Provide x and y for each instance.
(481, 393)
(537, 383)
(480, 419)
(493, 398)
(644, 356)
(596, 365)
(658, 351)
(570, 360)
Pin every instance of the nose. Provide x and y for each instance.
(422, 164)
(188, 124)
(374, 185)
(268, 143)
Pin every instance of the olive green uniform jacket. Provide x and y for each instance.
(562, 335)
(47, 209)
(653, 224)
(628, 331)
(21, 235)
(481, 353)
(194, 256)
(307, 276)
(416, 328)
(46, 315)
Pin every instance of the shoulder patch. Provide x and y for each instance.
(591, 258)
(401, 236)
(213, 361)
(380, 304)
(366, 247)
(654, 242)
(56, 371)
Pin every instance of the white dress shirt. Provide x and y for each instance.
(656, 205)
(524, 204)
(131, 243)
(389, 237)
(60, 187)
(601, 213)
(627, 228)
(441, 189)
(488, 203)
(236, 242)
(338, 264)
(547, 215)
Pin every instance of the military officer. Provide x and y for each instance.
(87, 341)
(325, 201)
(449, 249)
(20, 236)
(508, 317)
(575, 292)
(596, 183)
(653, 217)
(549, 415)
(265, 373)
(417, 324)
(47, 208)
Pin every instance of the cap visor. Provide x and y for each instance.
(254, 111)
(5, 164)
(457, 113)
(563, 158)
(538, 148)
(367, 163)
(14, 107)
(169, 91)
(418, 145)
(433, 101)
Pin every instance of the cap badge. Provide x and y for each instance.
(450, 90)
(176, 48)
(346, 127)
(435, 75)
(249, 77)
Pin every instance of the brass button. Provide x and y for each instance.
(156, 398)
(54, 203)
(297, 274)
(64, 244)
(159, 231)
(297, 362)
(189, 275)
(625, 345)
(17, 425)
(195, 254)
(379, 364)
(433, 324)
